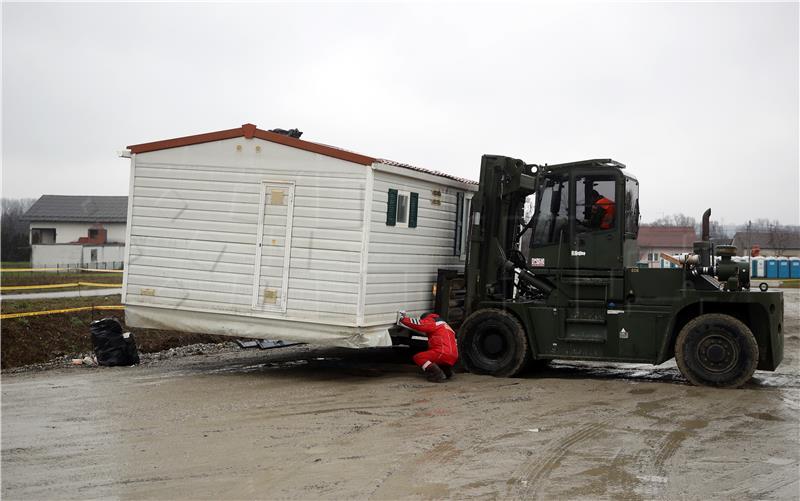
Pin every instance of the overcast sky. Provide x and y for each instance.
(699, 100)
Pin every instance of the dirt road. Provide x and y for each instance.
(319, 423)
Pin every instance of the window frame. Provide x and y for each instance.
(38, 232)
(581, 179)
(397, 222)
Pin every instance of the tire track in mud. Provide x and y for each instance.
(673, 441)
(655, 475)
(529, 476)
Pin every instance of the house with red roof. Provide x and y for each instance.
(258, 233)
(653, 240)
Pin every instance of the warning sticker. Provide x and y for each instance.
(537, 261)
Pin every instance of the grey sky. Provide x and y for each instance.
(699, 100)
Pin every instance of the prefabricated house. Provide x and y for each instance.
(253, 233)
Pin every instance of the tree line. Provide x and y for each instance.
(14, 245)
(779, 235)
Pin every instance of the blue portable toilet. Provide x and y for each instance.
(794, 267)
(759, 267)
(772, 267)
(783, 267)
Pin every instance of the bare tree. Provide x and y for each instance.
(718, 233)
(14, 244)
(675, 220)
(779, 237)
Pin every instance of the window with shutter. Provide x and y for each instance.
(401, 209)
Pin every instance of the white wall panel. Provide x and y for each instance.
(403, 262)
(195, 221)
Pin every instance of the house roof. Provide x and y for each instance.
(667, 236)
(782, 238)
(250, 131)
(79, 209)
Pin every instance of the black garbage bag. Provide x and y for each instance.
(111, 345)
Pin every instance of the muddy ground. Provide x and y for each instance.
(307, 423)
(50, 340)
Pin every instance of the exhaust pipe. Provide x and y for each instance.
(706, 225)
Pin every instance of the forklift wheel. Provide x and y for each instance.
(493, 342)
(716, 350)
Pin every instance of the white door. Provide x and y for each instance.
(273, 246)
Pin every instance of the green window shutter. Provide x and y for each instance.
(412, 210)
(391, 208)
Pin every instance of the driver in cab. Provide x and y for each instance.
(602, 212)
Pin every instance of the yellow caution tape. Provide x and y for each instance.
(62, 270)
(53, 312)
(57, 286)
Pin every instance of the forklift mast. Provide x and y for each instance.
(495, 224)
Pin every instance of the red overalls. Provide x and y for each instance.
(442, 348)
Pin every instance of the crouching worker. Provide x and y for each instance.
(438, 361)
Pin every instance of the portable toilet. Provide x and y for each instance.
(794, 267)
(759, 267)
(783, 267)
(772, 267)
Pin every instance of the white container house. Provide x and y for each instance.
(253, 233)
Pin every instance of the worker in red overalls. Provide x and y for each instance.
(603, 211)
(438, 361)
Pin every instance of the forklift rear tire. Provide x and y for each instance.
(716, 350)
(492, 341)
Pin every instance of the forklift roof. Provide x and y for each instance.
(596, 162)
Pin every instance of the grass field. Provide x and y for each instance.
(29, 278)
(14, 264)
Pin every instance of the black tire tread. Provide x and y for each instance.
(521, 356)
(717, 318)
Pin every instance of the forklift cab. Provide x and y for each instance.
(586, 218)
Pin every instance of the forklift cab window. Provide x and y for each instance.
(631, 207)
(552, 212)
(595, 207)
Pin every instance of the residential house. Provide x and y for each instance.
(778, 242)
(653, 240)
(80, 231)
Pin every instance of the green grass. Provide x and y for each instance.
(55, 304)
(48, 278)
(790, 283)
(15, 264)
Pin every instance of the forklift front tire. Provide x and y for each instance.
(716, 350)
(492, 341)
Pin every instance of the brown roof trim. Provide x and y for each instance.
(249, 131)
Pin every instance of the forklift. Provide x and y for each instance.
(564, 282)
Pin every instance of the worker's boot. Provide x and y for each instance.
(447, 370)
(434, 374)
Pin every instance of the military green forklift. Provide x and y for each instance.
(564, 284)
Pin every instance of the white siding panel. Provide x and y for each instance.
(403, 262)
(193, 224)
(208, 275)
(188, 195)
(193, 235)
(195, 218)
